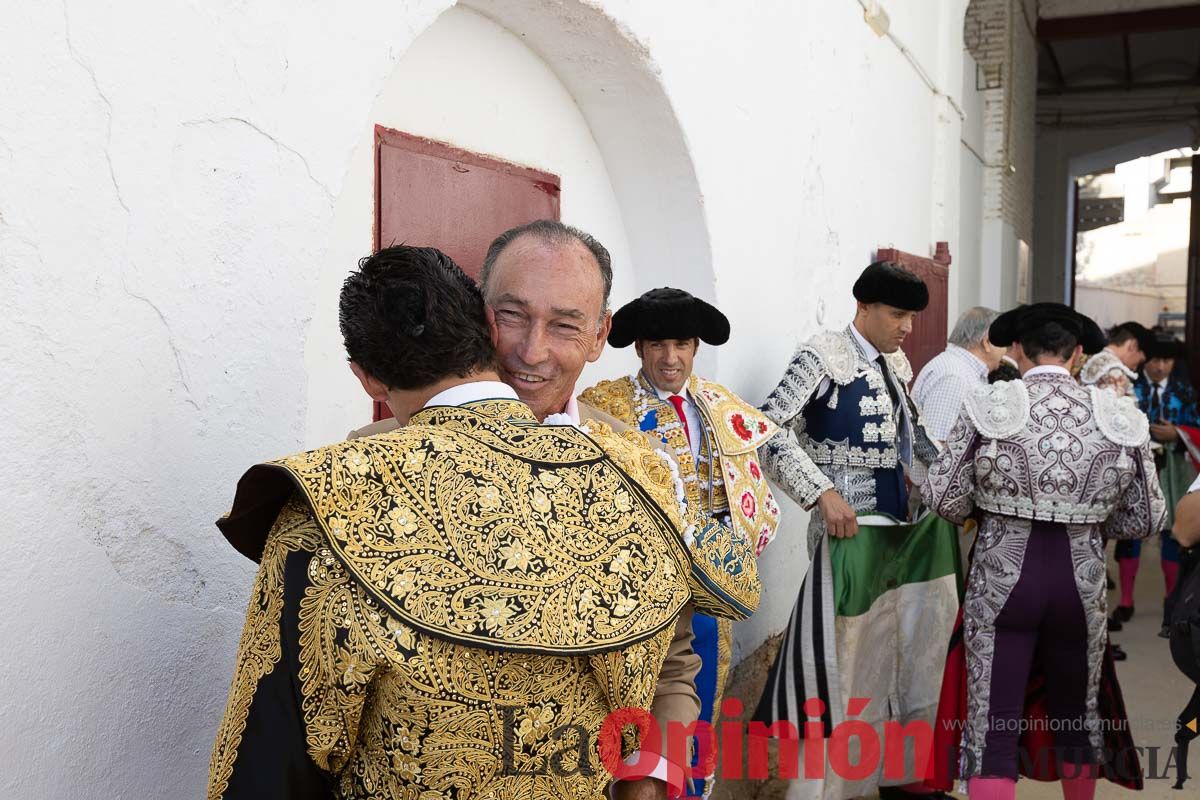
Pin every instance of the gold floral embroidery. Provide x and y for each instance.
(260, 648)
(506, 523)
(432, 718)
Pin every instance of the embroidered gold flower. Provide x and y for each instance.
(587, 601)
(405, 737)
(358, 462)
(624, 606)
(539, 501)
(339, 528)
(402, 520)
(404, 583)
(515, 556)
(351, 668)
(407, 767)
(623, 501)
(414, 460)
(549, 480)
(538, 722)
(489, 497)
(495, 613)
(402, 634)
(620, 563)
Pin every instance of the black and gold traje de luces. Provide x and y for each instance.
(480, 526)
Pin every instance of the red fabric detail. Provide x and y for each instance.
(677, 401)
(1191, 440)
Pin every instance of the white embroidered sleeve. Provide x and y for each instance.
(782, 456)
(950, 485)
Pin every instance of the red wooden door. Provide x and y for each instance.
(928, 337)
(1192, 334)
(432, 194)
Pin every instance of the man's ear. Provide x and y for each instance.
(601, 336)
(637, 348)
(1076, 353)
(490, 314)
(371, 385)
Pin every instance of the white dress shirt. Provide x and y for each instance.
(942, 386)
(472, 392)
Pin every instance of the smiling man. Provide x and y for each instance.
(713, 435)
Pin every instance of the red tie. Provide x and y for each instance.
(677, 401)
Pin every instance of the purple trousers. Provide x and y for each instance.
(1041, 623)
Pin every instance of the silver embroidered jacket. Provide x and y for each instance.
(805, 463)
(1042, 449)
(1107, 371)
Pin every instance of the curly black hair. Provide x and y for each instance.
(410, 317)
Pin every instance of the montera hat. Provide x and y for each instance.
(890, 283)
(1166, 346)
(1017, 322)
(668, 313)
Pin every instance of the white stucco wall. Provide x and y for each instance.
(182, 185)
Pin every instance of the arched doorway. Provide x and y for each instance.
(555, 86)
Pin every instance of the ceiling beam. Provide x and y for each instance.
(1052, 57)
(1128, 60)
(1151, 21)
(1120, 87)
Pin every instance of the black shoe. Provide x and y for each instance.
(1114, 624)
(896, 793)
(1118, 654)
(1124, 613)
(1164, 632)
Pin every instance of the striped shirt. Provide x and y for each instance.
(942, 386)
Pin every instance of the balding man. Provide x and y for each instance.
(944, 382)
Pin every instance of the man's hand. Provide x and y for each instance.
(1163, 432)
(644, 789)
(840, 519)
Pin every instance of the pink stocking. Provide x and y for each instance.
(992, 789)
(1170, 574)
(1082, 786)
(1128, 568)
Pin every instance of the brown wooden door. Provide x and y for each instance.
(928, 337)
(432, 194)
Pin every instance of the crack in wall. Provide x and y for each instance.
(170, 342)
(278, 145)
(82, 62)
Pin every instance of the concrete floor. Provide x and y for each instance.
(1155, 692)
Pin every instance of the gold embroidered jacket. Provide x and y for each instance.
(726, 477)
(449, 610)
